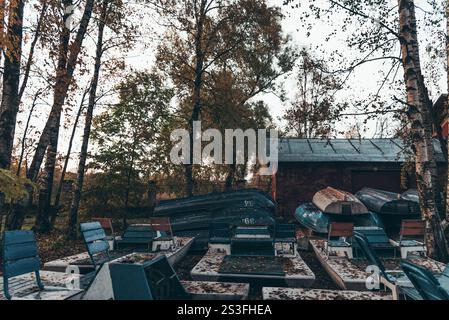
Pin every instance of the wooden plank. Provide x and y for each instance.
(341, 229)
(97, 247)
(106, 223)
(413, 228)
(20, 251)
(18, 267)
(16, 237)
(94, 235)
(90, 226)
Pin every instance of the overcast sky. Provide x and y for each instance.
(363, 81)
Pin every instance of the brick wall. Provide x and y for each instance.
(296, 183)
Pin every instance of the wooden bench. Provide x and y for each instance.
(411, 237)
(342, 231)
(106, 224)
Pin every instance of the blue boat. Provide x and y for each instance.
(313, 218)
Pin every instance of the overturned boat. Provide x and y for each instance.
(333, 205)
(314, 219)
(410, 195)
(392, 207)
(191, 216)
(389, 203)
(334, 201)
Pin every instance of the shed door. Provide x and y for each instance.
(384, 180)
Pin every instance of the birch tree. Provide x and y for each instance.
(48, 141)
(386, 28)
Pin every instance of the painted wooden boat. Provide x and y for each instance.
(313, 218)
(83, 263)
(334, 201)
(388, 203)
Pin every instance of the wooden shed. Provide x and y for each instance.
(309, 165)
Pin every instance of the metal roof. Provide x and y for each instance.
(346, 150)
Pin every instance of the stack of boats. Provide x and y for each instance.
(368, 207)
(333, 205)
(191, 216)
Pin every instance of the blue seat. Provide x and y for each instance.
(21, 260)
(378, 240)
(152, 280)
(20, 256)
(219, 233)
(424, 282)
(96, 242)
(285, 231)
(138, 236)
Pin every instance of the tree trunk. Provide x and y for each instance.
(2, 31)
(229, 182)
(196, 112)
(31, 52)
(151, 197)
(64, 76)
(66, 162)
(88, 123)
(45, 210)
(10, 102)
(447, 109)
(421, 130)
(18, 211)
(25, 132)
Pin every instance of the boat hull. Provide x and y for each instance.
(334, 201)
(312, 218)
